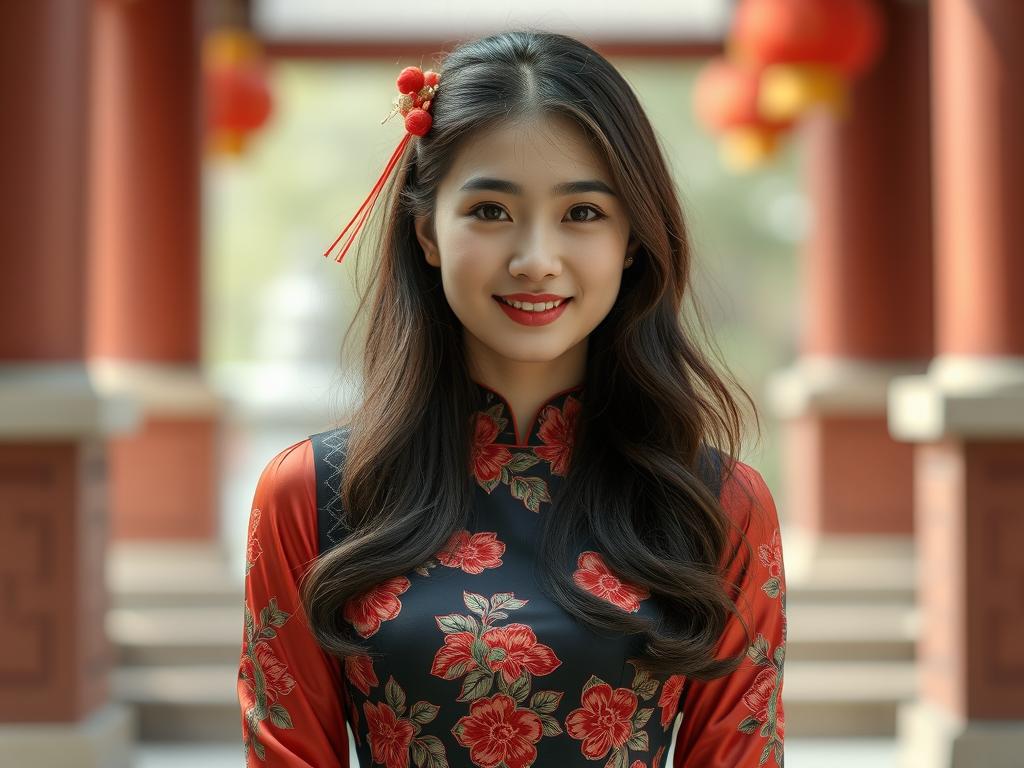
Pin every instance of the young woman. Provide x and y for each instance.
(602, 583)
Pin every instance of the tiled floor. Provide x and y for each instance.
(800, 753)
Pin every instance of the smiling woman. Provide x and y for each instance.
(534, 176)
(533, 542)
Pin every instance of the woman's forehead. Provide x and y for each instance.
(535, 154)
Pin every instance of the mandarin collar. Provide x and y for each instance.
(554, 421)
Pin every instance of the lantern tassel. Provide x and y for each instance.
(369, 202)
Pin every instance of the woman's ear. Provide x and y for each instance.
(425, 234)
(633, 245)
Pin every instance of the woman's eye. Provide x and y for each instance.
(484, 207)
(598, 214)
(572, 211)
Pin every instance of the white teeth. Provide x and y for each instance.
(532, 307)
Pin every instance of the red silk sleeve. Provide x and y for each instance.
(738, 721)
(292, 701)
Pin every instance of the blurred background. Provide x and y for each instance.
(850, 173)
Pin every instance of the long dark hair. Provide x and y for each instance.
(652, 400)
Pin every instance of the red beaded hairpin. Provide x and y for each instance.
(416, 91)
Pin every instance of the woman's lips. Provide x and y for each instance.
(525, 317)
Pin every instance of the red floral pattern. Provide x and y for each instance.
(389, 736)
(393, 733)
(594, 575)
(494, 463)
(669, 699)
(475, 649)
(753, 721)
(488, 457)
(455, 657)
(498, 732)
(253, 550)
(558, 431)
(610, 719)
(605, 719)
(520, 650)
(366, 612)
(472, 552)
(506, 679)
(762, 698)
(265, 677)
(359, 671)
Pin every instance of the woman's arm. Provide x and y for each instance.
(737, 721)
(293, 702)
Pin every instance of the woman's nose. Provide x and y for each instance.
(538, 254)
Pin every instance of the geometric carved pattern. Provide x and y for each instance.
(995, 579)
(54, 660)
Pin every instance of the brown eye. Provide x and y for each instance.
(486, 206)
(598, 215)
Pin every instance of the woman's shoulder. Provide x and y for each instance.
(284, 504)
(290, 471)
(747, 500)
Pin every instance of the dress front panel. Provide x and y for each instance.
(474, 665)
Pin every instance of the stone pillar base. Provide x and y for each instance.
(930, 737)
(176, 450)
(845, 474)
(103, 740)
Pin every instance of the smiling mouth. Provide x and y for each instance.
(533, 317)
(540, 306)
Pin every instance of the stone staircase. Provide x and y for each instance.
(851, 636)
(176, 623)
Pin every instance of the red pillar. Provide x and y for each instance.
(53, 424)
(966, 415)
(866, 304)
(145, 293)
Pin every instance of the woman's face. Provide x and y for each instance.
(508, 222)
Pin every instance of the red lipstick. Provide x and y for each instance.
(528, 317)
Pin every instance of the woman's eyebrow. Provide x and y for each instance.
(510, 187)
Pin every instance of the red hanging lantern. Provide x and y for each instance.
(238, 100)
(808, 49)
(726, 103)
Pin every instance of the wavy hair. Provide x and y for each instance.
(653, 398)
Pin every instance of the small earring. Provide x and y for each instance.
(629, 260)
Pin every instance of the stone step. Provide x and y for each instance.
(166, 636)
(849, 631)
(145, 575)
(855, 583)
(823, 699)
(193, 703)
(831, 699)
(856, 568)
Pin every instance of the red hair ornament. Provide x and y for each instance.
(416, 90)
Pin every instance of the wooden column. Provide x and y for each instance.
(55, 700)
(966, 415)
(145, 328)
(866, 306)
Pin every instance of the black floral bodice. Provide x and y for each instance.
(477, 666)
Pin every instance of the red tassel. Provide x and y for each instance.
(369, 202)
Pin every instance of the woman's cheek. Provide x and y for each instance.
(465, 279)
